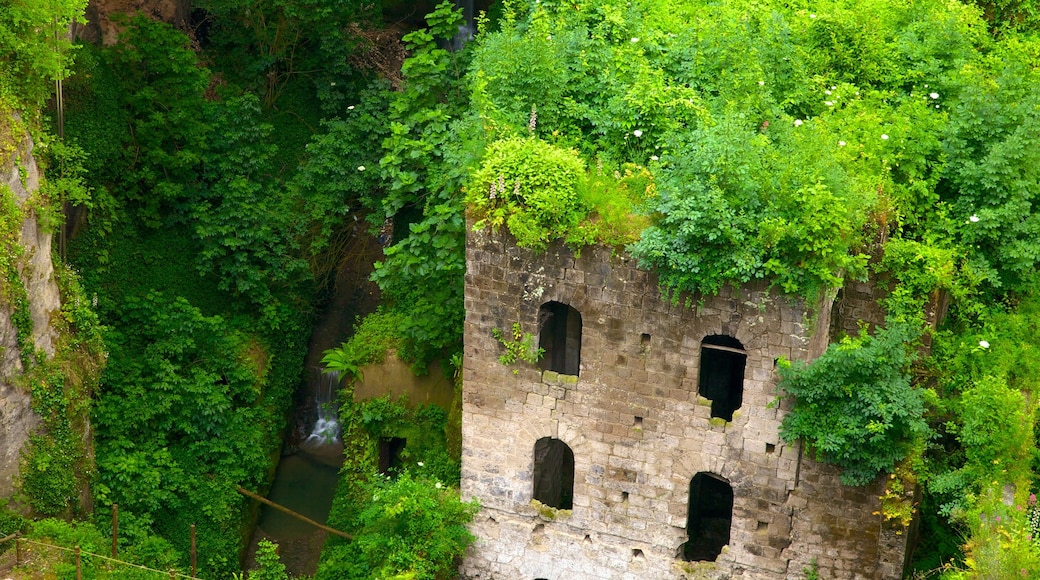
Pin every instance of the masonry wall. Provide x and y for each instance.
(640, 432)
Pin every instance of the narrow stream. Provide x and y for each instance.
(308, 471)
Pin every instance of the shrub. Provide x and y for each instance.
(530, 186)
(854, 406)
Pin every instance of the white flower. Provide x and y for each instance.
(548, 37)
(937, 106)
(983, 344)
(654, 158)
(884, 136)
(350, 108)
(933, 95)
(974, 219)
(361, 168)
(635, 39)
(438, 485)
(638, 132)
(761, 83)
(420, 464)
(841, 143)
(834, 88)
(797, 122)
(829, 103)
(332, 84)
(812, 16)
(827, 92)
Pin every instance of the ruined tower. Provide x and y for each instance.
(644, 443)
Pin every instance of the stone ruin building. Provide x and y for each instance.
(644, 444)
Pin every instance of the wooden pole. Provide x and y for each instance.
(79, 572)
(115, 530)
(298, 516)
(18, 551)
(173, 574)
(193, 550)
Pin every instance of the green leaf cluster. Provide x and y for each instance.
(530, 186)
(184, 415)
(35, 50)
(413, 527)
(410, 521)
(855, 406)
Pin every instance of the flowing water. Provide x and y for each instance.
(306, 479)
(325, 432)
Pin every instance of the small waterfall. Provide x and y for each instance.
(468, 27)
(326, 430)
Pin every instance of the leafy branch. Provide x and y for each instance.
(520, 347)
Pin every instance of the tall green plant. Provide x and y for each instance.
(854, 406)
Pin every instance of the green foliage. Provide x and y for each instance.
(12, 289)
(65, 183)
(376, 510)
(269, 566)
(812, 572)
(431, 144)
(376, 335)
(737, 206)
(413, 527)
(530, 186)
(267, 45)
(162, 89)
(988, 374)
(187, 411)
(854, 406)
(519, 347)
(992, 182)
(34, 48)
(57, 466)
(150, 551)
(1001, 544)
(244, 224)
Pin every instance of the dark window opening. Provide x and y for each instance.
(553, 473)
(770, 448)
(722, 374)
(709, 517)
(559, 335)
(644, 343)
(637, 553)
(390, 449)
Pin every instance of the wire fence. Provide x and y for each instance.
(22, 556)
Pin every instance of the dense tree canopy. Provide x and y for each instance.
(803, 144)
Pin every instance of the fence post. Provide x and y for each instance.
(193, 550)
(115, 530)
(79, 572)
(173, 574)
(18, 551)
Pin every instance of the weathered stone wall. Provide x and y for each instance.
(19, 173)
(640, 432)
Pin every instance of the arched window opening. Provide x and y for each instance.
(553, 473)
(390, 449)
(559, 335)
(709, 517)
(722, 374)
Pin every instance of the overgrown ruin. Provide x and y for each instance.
(645, 442)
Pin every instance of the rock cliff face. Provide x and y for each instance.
(100, 27)
(19, 175)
